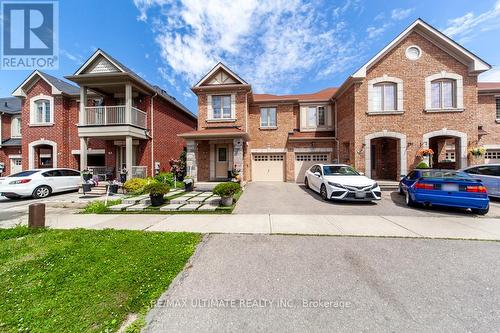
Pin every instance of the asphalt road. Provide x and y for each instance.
(292, 283)
(291, 198)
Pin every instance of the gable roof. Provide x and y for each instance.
(127, 71)
(476, 64)
(58, 86)
(322, 95)
(220, 67)
(10, 105)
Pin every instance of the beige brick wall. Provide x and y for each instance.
(487, 118)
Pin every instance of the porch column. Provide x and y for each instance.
(128, 156)
(191, 168)
(83, 154)
(238, 156)
(83, 104)
(128, 103)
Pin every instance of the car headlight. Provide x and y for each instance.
(336, 185)
(374, 186)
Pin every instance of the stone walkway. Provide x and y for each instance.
(188, 201)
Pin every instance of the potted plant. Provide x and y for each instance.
(477, 151)
(156, 192)
(123, 175)
(113, 187)
(226, 191)
(235, 174)
(86, 175)
(188, 184)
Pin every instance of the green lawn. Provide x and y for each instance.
(84, 280)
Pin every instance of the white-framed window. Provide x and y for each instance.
(15, 127)
(385, 96)
(221, 107)
(316, 116)
(42, 110)
(443, 94)
(268, 117)
(498, 108)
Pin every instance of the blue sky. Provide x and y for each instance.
(282, 46)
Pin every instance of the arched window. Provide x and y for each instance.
(42, 110)
(443, 94)
(385, 96)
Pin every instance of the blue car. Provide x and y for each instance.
(445, 188)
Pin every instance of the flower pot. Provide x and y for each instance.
(226, 201)
(123, 177)
(188, 187)
(87, 176)
(113, 188)
(156, 199)
(87, 187)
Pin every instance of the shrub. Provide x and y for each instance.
(422, 165)
(165, 178)
(156, 188)
(98, 206)
(135, 185)
(227, 189)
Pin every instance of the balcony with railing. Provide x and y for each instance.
(113, 115)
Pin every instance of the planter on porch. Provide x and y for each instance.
(113, 188)
(226, 191)
(156, 192)
(188, 184)
(86, 187)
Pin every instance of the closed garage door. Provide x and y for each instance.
(268, 167)
(492, 156)
(304, 161)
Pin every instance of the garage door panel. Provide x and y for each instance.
(305, 161)
(268, 167)
(492, 156)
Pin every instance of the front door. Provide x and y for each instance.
(221, 161)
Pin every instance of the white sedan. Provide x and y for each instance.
(341, 182)
(39, 183)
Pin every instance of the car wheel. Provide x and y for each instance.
(41, 192)
(323, 192)
(401, 192)
(409, 200)
(481, 211)
(306, 183)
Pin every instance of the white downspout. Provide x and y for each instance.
(152, 135)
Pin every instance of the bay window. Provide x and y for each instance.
(316, 116)
(443, 94)
(268, 117)
(15, 127)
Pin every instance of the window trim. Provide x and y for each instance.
(316, 124)
(267, 125)
(442, 93)
(210, 109)
(399, 95)
(458, 92)
(33, 109)
(497, 108)
(12, 121)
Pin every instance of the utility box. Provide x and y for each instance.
(36, 218)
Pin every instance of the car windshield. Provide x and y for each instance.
(339, 170)
(24, 173)
(444, 174)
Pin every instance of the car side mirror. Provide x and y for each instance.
(317, 174)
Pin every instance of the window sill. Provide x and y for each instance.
(225, 120)
(268, 128)
(376, 113)
(498, 121)
(41, 125)
(444, 110)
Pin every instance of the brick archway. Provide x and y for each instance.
(31, 152)
(462, 137)
(402, 150)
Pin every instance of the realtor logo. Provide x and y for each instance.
(30, 35)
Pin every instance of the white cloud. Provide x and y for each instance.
(271, 44)
(71, 56)
(400, 13)
(493, 75)
(464, 26)
(374, 32)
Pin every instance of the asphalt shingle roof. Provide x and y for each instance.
(63, 86)
(13, 142)
(10, 105)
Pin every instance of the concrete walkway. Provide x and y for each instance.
(340, 225)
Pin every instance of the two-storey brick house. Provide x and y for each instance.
(10, 134)
(420, 91)
(113, 120)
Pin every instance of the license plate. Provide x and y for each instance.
(450, 187)
(360, 195)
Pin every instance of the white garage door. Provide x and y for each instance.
(304, 161)
(268, 167)
(15, 165)
(492, 156)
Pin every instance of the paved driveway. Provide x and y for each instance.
(291, 198)
(386, 285)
